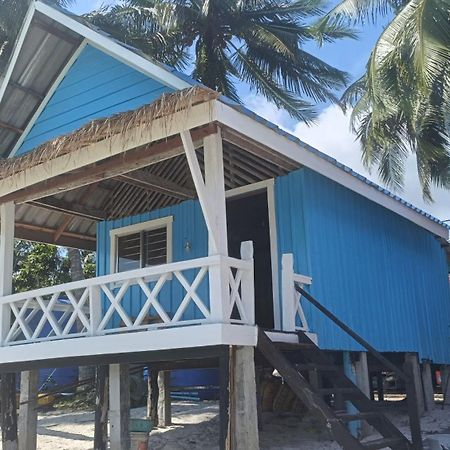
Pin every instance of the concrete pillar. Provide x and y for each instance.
(29, 385)
(413, 361)
(243, 403)
(428, 388)
(164, 401)
(119, 406)
(445, 383)
(363, 382)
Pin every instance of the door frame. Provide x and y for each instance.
(269, 187)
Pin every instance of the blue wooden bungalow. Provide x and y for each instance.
(202, 214)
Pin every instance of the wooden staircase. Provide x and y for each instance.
(338, 385)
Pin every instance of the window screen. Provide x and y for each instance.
(143, 249)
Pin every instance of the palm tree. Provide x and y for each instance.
(259, 42)
(11, 15)
(401, 105)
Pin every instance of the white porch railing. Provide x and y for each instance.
(291, 299)
(221, 288)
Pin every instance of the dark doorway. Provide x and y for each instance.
(248, 220)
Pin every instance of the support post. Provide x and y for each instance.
(445, 383)
(363, 382)
(164, 400)
(101, 408)
(412, 363)
(8, 380)
(152, 398)
(119, 406)
(349, 369)
(380, 387)
(287, 292)
(29, 385)
(248, 283)
(243, 404)
(428, 386)
(224, 400)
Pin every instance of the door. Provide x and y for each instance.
(248, 220)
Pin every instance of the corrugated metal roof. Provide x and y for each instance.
(43, 55)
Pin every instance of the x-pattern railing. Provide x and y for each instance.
(95, 307)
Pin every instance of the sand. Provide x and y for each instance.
(196, 426)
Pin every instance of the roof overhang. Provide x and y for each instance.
(139, 146)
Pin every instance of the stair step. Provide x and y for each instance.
(294, 346)
(382, 443)
(318, 367)
(358, 416)
(337, 390)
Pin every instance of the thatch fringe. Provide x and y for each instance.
(101, 129)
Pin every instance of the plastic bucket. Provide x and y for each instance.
(139, 440)
(139, 431)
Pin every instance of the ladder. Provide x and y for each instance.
(338, 385)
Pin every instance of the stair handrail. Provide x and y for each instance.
(411, 391)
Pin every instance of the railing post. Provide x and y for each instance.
(248, 282)
(288, 298)
(95, 308)
(219, 292)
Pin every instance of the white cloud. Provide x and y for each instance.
(331, 134)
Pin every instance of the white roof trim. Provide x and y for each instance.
(112, 48)
(47, 98)
(261, 133)
(17, 48)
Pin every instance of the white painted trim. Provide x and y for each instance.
(164, 339)
(47, 98)
(269, 187)
(112, 48)
(17, 48)
(136, 228)
(268, 137)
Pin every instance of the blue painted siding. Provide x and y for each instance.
(188, 225)
(381, 274)
(96, 86)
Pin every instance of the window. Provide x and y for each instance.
(141, 245)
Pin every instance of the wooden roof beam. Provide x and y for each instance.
(155, 183)
(9, 127)
(26, 90)
(74, 209)
(55, 31)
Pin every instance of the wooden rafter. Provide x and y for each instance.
(74, 209)
(56, 32)
(117, 165)
(155, 183)
(52, 231)
(10, 127)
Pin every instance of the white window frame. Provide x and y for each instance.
(148, 225)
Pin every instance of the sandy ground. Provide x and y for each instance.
(196, 427)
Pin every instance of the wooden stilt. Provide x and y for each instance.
(119, 406)
(9, 411)
(412, 363)
(164, 401)
(29, 385)
(243, 405)
(153, 394)
(101, 408)
(428, 386)
(380, 387)
(224, 402)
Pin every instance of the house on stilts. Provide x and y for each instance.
(215, 233)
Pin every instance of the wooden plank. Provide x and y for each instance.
(9, 411)
(155, 183)
(101, 408)
(52, 231)
(75, 209)
(109, 168)
(164, 400)
(10, 127)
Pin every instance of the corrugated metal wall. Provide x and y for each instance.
(188, 225)
(383, 275)
(96, 86)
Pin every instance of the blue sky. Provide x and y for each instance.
(331, 134)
